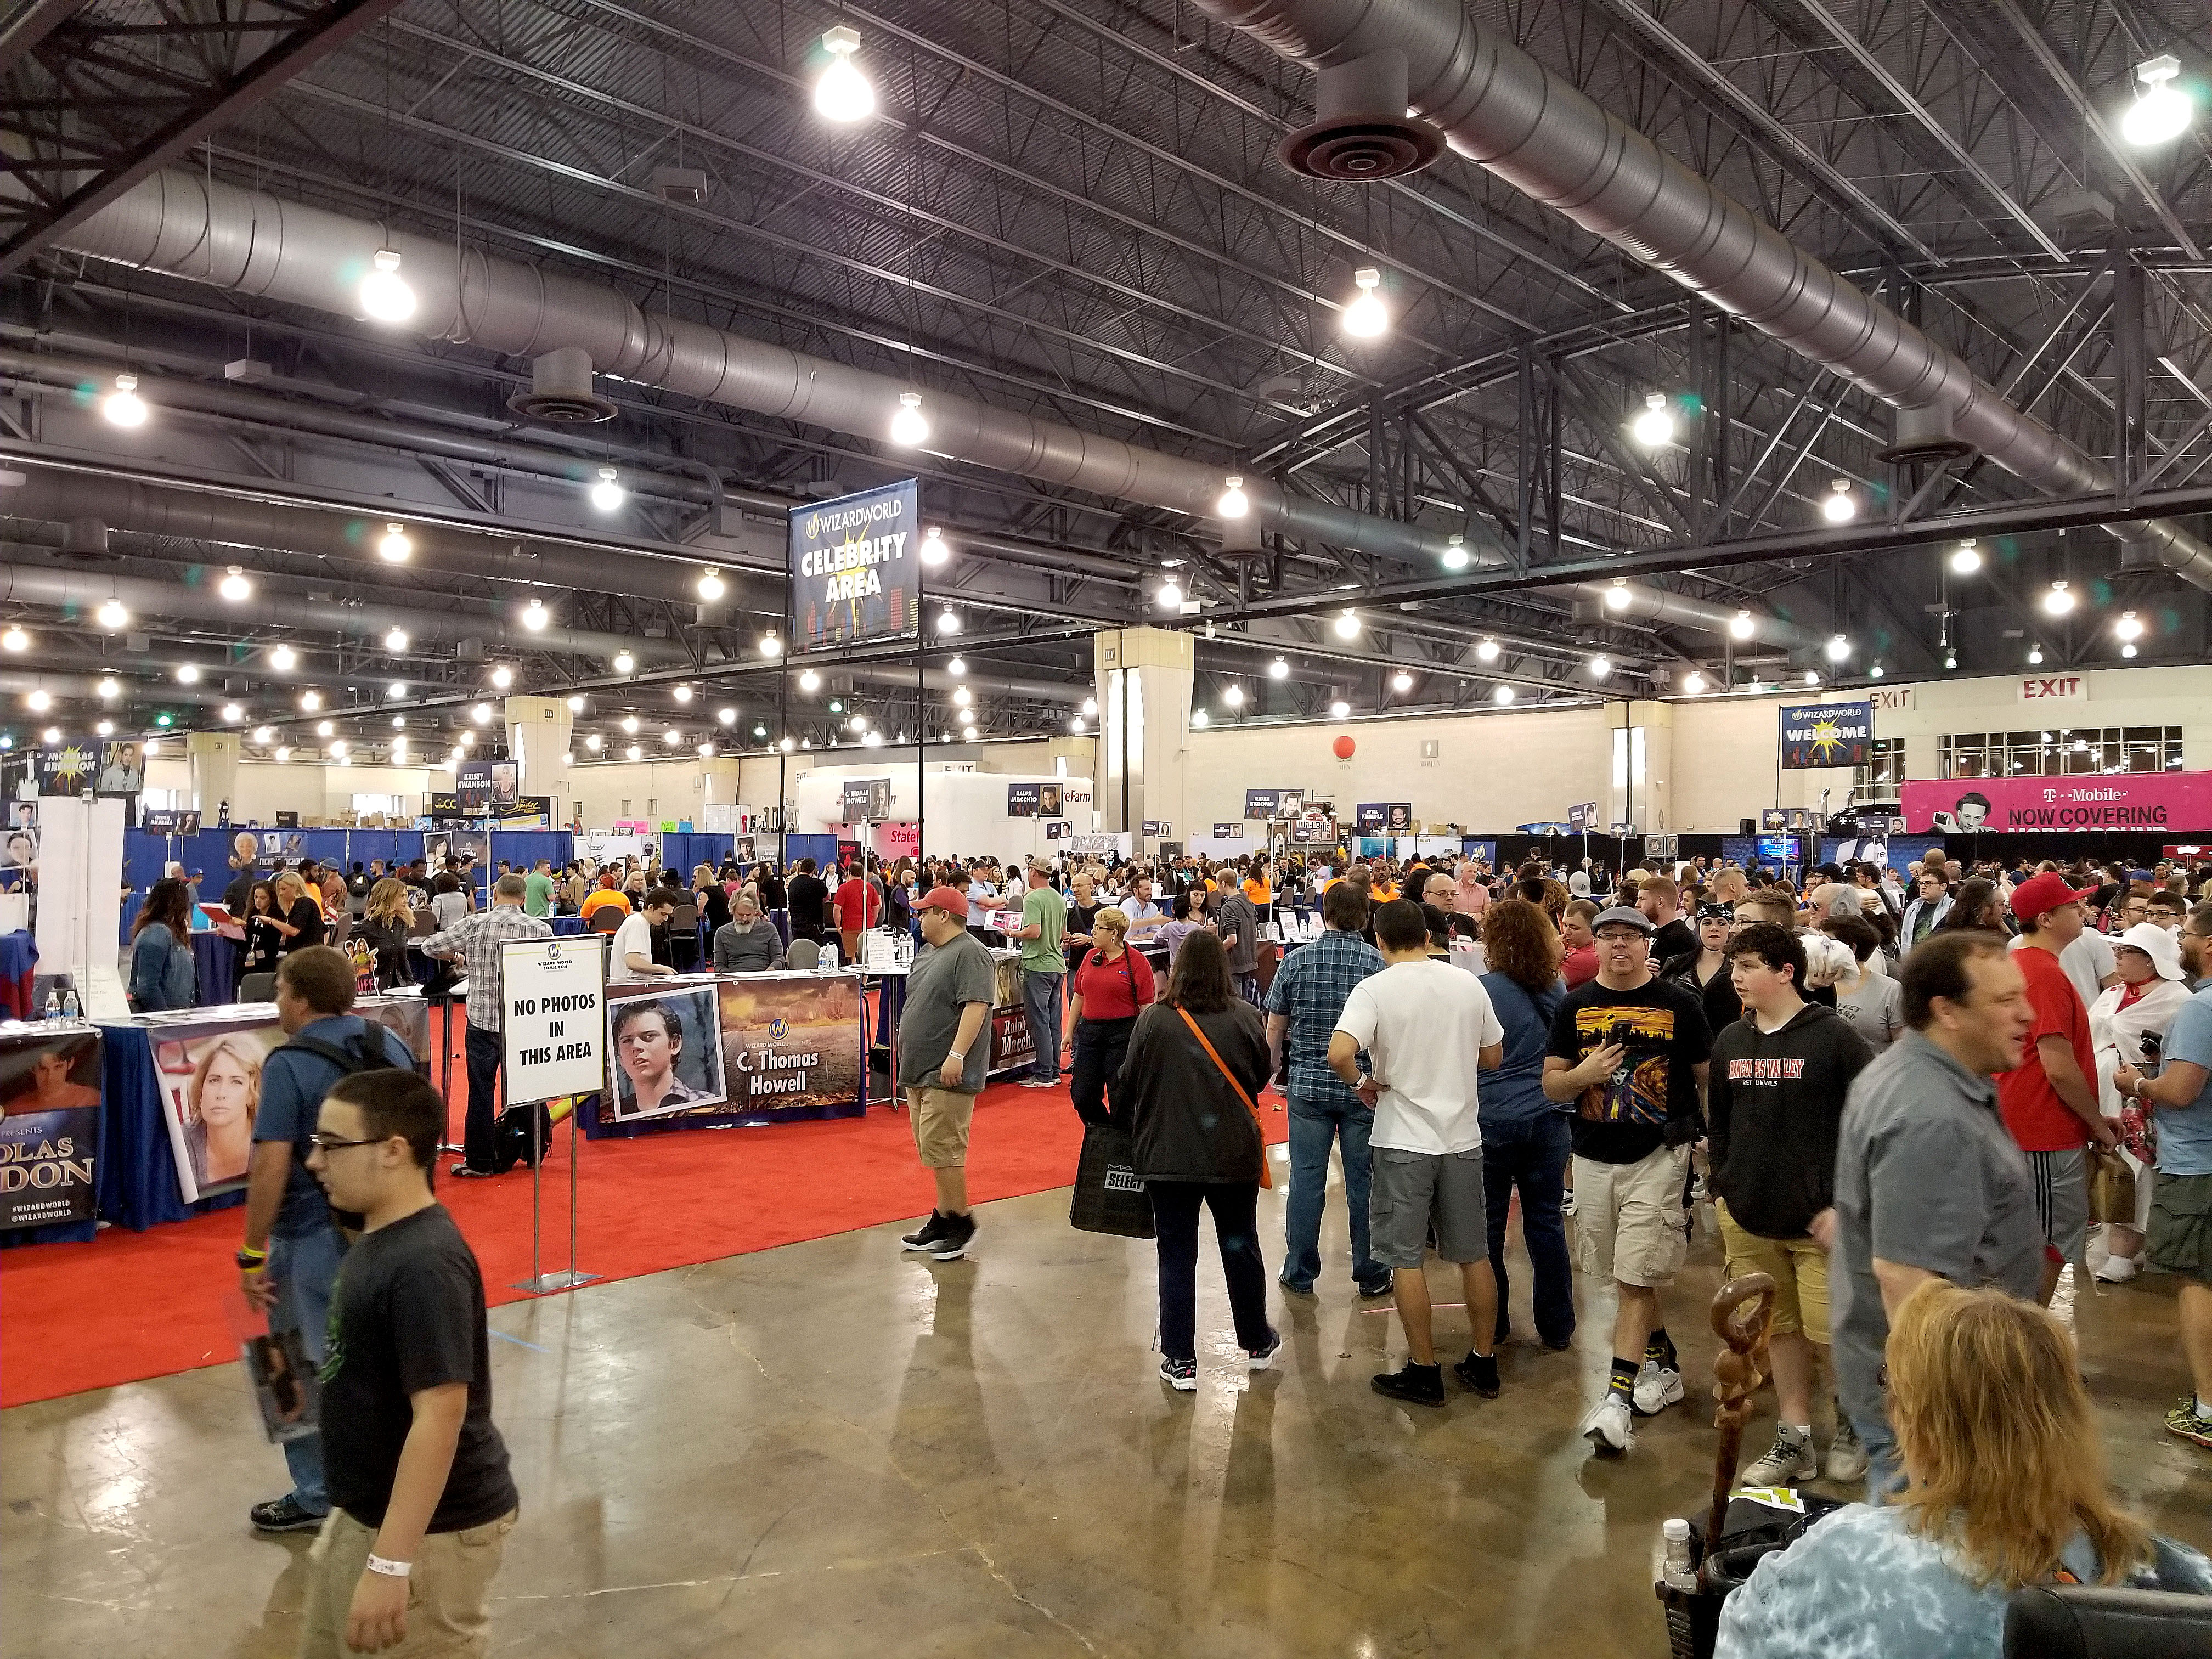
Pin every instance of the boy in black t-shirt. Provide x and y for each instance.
(421, 1499)
(1628, 1051)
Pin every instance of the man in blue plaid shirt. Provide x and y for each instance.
(1303, 1005)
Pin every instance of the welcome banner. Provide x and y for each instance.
(2177, 801)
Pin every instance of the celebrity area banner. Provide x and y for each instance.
(2177, 801)
(855, 569)
(702, 1051)
(50, 1091)
(1817, 734)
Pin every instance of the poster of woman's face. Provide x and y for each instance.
(210, 1088)
(668, 1053)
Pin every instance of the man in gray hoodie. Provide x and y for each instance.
(1238, 924)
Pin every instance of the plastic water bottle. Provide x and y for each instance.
(53, 1005)
(71, 1009)
(828, 960)
(1675, 1570)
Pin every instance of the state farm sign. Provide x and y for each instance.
(2054, 688)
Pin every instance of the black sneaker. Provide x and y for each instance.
(285, 1514)
(1376, 1289)
(953, 1237)
(1417, 1385)
(927, 1234)
(1479, 1372)
(1260, 1357)
(469, 1172)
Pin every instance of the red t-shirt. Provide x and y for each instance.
(852, 895)
(1106, 987)
(2039, 1120)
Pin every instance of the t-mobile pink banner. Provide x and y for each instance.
(2180, 801)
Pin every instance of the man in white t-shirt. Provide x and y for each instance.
(1426, 1028)
(632, 955)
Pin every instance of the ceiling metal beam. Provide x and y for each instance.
(321, 31)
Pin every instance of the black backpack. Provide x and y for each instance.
(364, 1052)
(512, 1143)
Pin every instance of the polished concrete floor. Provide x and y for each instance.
(831, 1449)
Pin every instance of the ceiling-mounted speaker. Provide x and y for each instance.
(685, 186)
(1361, 130)
(561, 390)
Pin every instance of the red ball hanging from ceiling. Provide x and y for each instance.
(1344, 746)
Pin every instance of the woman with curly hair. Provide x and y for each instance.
(1525, 1137)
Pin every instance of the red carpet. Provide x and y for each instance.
(133, 1305)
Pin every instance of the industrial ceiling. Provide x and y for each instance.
(1898, 275)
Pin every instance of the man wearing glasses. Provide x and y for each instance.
(289, 1261)
(1629, 1051)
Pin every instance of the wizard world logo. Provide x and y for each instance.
(778, 1027)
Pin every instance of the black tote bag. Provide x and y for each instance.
(1109, 1196)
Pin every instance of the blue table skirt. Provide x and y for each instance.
(217, 959)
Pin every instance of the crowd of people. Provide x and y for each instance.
(1893, 1087)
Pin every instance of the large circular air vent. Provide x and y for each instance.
(561, 390)
(1361, 130)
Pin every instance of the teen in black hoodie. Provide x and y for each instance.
(1774, 1105)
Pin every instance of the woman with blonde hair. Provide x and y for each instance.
(219, 1108)
(385, 918)
(1109, 987)
(299, 916)
(2005, 1487)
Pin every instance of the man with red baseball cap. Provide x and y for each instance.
(2049, 1100)
(943, 1054)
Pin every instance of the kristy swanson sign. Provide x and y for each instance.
(2177, 801)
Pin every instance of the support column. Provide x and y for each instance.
(538, 736)
(1144, 722)
(1641, 789)
(213, 758)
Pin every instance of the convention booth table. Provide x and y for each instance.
(217, 959)
(19, 963)
(697, 1051)
(166, 1108)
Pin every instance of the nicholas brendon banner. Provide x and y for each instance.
(50, 1088)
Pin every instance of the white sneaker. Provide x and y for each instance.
(1606, 1425)
(1791, 1459)
(1657, 1386)
(2117, 1269)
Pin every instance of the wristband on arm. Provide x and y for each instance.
(389, 1569)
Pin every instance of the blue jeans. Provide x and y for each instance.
(1315, 1126)
(305, 1272)
(1041, 1007)
(1885, 1476)
(1532, 1155)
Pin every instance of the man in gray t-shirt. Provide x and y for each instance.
(944, 1055)
(1929, 1184)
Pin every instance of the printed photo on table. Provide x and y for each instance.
(211, 1085)
(668, 1053)
(49, 1135)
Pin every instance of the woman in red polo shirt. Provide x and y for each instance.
(1109, 989)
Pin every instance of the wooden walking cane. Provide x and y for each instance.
(1743, 1311)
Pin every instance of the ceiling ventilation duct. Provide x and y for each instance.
(1510, 115)
(1924, 434)
(684, 187)
(561, 390)
(1362, 128)
(86, 541)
